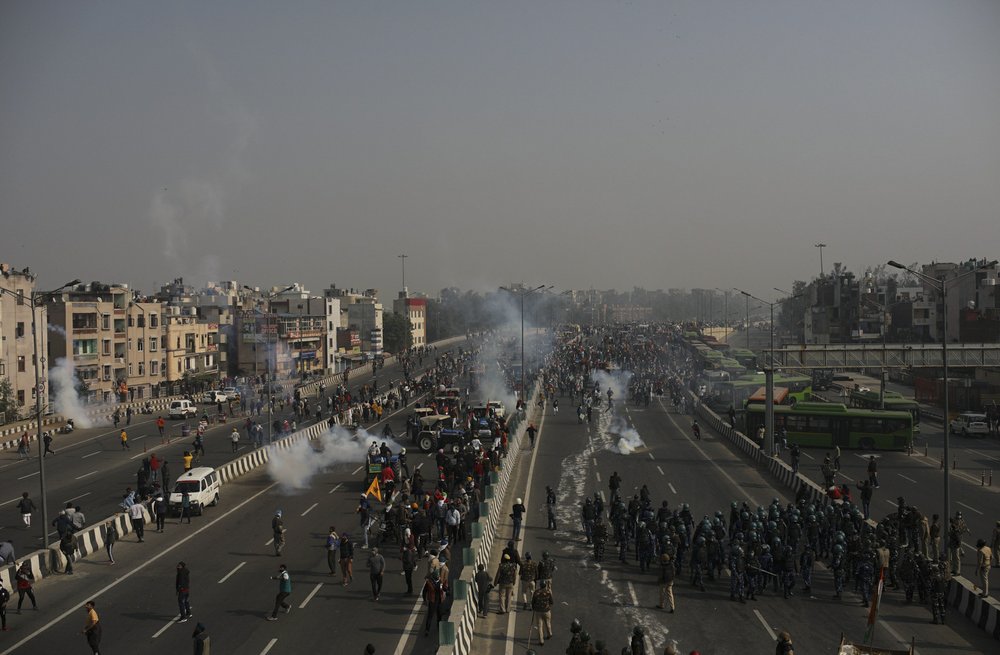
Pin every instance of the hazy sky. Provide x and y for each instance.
(579, 144)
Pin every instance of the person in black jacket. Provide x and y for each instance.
(201, 640)
(182, 584)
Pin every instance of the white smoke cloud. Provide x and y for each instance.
(66, 402)
(628, 439)
(618, 383)
(295, 467)
(57, 329)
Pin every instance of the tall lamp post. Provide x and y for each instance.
(725, 311)
(35, 301)
(768, 380)
(942, 287)
(820, 246)
(523, 293)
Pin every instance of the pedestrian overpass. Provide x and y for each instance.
(890, 355)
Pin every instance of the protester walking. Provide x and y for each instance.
(376, 572)
(137, 513)
(541, 610)
(332, 548)
(182, 585)
(92, 628)
(110, 539)
(484, 584)
(433, 594)
(284, 590)
(278, 530)
(347, 559)
(124, 439)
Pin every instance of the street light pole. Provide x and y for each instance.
(820, 246)
(402, 261)
(523, 293)
(942, 287)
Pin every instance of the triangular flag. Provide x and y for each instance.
(373, 490)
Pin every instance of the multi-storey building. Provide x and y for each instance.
(17, 348)
(415, 309)
(191, 346)
(364, 314)
(110, 338)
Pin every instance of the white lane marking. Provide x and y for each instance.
(651, 456)
(227, 576)
(982, 454)
(269, 541)
(339, 485)
(594, 460)
(311, 594)
(86, 475)
(139, 438)
(807, 454)
(357, 470)
(309, 510)
(598, 474)
(28, 476)
(96, 452)
(891, 502)
(162, 553)
(602, 495)
(740, 489)
(269, 646)
(164, 628)
(906, 478)
(846, 477)
(8, 502)
(970, 507)
(660, 470)
(77, 497)
(671, 487)
(414, 613)
(631, 593)
(895, 635)
(867, 457)
(770, 632)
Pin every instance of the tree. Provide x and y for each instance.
(397, 332)
(8, 403)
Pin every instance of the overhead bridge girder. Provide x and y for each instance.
(893, 355)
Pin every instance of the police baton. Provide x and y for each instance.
(757, 568)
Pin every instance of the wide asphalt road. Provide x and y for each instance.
(611, 598)
(90, 468)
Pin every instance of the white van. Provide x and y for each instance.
(203, 486)
(182, 409)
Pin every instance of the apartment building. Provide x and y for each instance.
(111, 339)
(17, 349)
(364, 314)
(415, 309)
(191, 347)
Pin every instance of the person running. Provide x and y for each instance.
(284, 590)
(124, 439)
(27, 507)
(696, 429)
(92, 628)
(25, 580)
(160, 426)
(47, 440)
(278, 530)
(182, 585)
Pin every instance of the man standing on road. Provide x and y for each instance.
(505, 579)
(409, 558)
(27, 507)
(182, 585)
(872, 471)
(284, 589)
(483, 587)
(124, 438)
(160, 426)
(92, 628)
(667, 573)
(376, 572)
(541, 608)
(137, 512)
(984, 557)
(234, 437)
(332, 546)
(517, 515)
(278, 529)
(433, 594)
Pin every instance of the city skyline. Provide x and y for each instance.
(609, 145)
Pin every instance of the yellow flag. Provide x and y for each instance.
(373, 490)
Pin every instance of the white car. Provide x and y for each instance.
(232, 393)
(498, 409)
(968, 423)
(216, 396)
(182, 409)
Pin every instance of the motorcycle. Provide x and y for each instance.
(69, 427)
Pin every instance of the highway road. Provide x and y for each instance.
(610, 598)
(918, 478)
(90, 468)
(230, 554)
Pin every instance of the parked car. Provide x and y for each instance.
(232, 393)
(213, 397)
(969, 423)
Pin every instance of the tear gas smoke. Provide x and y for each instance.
(628, 438)
(66, 402)
(617, 383)
(295, 467)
